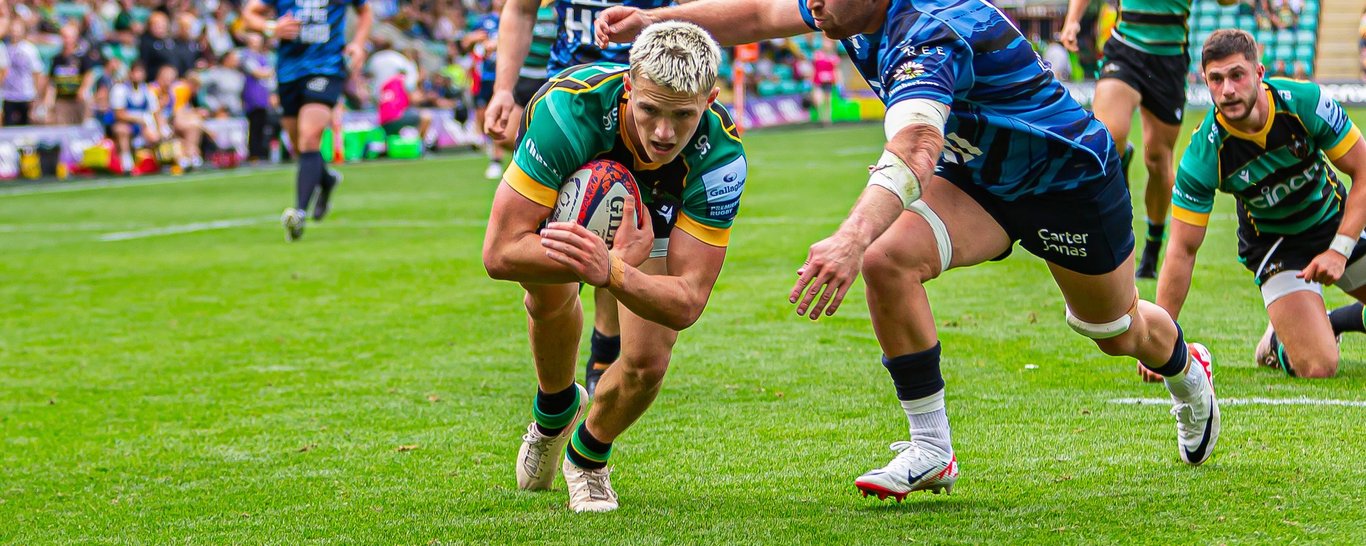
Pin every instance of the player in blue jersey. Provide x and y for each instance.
(984, 148)
(314, 60)
(574, 45)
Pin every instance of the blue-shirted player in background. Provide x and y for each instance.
(314, 60)
(574, 45)
(984, 148)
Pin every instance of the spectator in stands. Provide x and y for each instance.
(256, 93)
(395, 116)
(218, 37)
(135, 114)
(223, 87)
(1361, 44)
(114, 71)
(824, 75)
(176, 98)
(24, 79)
(123, 40)
(70, 79)
(188, 52)
(156, 48)
(385, 62)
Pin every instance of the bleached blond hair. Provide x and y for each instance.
(679, 56)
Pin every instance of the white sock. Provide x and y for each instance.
(929, 422)
(1188, 385)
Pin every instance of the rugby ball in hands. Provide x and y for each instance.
(595, 197)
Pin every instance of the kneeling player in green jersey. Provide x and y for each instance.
(1269, 143)
(657, 116)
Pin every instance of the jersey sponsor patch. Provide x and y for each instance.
(723, 186)
(1331, 113)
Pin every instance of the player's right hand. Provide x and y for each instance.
(498, 114)
(635, 237)
(620, 24)
(287, 27)
(1068, 35)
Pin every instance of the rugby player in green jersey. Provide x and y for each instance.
(1269, 144)
(1143, 68)
(657, 116)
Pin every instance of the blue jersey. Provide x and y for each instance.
(1013, 129)
(317, 51)
(489, 67)
(575, 44)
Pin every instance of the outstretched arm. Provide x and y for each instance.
(894, 183)
(1174, 283)
(731, 22)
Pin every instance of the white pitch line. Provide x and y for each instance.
(184, 228)
(1300, 401)
(62, 228)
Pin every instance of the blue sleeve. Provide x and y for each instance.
(931, 62)
(806, 14)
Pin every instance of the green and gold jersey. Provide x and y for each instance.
(1156, 27)
(1280, 175)
(575, 118)
(543, 35)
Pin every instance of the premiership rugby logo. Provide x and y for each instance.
(908, 70)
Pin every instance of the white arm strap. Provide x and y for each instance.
(890, 171)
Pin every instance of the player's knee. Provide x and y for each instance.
(1316, 366)
(644, 371)
(1122, 345)
(1114, 338)
(880, 266)
(548, 304)
(1157, 159)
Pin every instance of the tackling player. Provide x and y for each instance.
(1269, 143)
(312, 67)
(1144, 68)
(534, 52)
(984, 148)
(657, 116)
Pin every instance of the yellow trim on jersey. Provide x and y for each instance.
(713, 236)
(531, 108)
(1190, 217)
(729, 130)
(1345, 146)
(1260, 136)
(537, 192)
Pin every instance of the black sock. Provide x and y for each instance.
(552, 410)
(1348, 318)
(587, 452)
(1177, 363)
(603, 349)
(310, 174)
(1156, 232)
(916, 375)
(327, 180)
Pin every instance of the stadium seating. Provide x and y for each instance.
(1297, 44)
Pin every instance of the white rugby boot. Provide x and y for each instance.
(1264, 355)
(293, 220)
(589, 490)
(916, 467)
(536, 458)
(1197, 419)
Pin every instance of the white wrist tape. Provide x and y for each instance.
(892, 173)
(1343, 244)
(912, 112)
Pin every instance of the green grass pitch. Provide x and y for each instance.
(171, 371)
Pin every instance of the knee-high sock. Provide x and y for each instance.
(309, 176)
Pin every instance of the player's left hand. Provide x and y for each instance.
(575, 247)
(831, 266)
(1326, 268)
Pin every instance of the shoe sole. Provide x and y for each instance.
(882, 493)
(559, 450)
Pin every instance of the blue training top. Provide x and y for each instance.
(575, 44)
(1012, 129)
(317, 51)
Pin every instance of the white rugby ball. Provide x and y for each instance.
(595, 198)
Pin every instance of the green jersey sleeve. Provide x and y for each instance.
(553, 144)
(711, 194)
(1197, 178)
(1332, 131)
